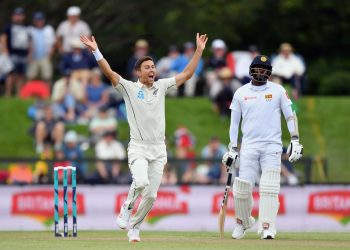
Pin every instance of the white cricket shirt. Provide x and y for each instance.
(145, 108)
(260, 107)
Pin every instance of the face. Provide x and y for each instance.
(260, 75)
(18, 18)
(147, 72)
(286, 52)
(39, 23)
(73, 19)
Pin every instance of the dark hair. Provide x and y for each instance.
(138, 63)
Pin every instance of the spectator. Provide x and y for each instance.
(20, 173)
(179, 65)
(78, 63)
(73, 153)
(68, 97)
(96, 94)
(41, 168)
(48, 130)
(164, 64)
(216, 62)
(169, 175)
(288, 175)
(6, 65)
(102, 123)
(287, 67)
(185, 143)
(141, 49)
(214, 150)
(109, 153)
(15, 43)
(224, 96)
(71, 29)
(243, 61)
(42, 46)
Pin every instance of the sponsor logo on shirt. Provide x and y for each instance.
(268, 97)
(246, 98)
(155, 92)
(141, 95)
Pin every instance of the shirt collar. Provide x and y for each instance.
(140, 85)
(259, 88)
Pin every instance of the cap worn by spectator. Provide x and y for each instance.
(218, 44)
(38, 16)
(71, 137)
(253, 48)
(188, 45)
(73, 11)
(18, 11)
(141, 43)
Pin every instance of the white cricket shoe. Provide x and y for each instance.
(267, 235)
(123, 218)
(239, 230)
(134, 235)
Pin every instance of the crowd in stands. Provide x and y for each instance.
(73, 91)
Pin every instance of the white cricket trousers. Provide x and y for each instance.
(146, 162)
(265, 157)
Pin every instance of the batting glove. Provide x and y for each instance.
(230, 158)
(295, 150)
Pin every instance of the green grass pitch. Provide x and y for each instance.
(171, 240)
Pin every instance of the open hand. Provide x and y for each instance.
(201, 41)
(90, 44)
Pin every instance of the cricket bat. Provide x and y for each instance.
(222, 214)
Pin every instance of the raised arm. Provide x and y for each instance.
(102, 63)
(187, 73)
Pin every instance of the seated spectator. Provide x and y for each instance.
(169, 175)
(48, 130)
(4, 174)
(78, 63)
(96, 94)
(288, 175)
(36, 111)
(103, 122)
(214, 150)
(62, 162)
(68, 98)
(184, 150)
(226, 86)
(179, 65)
(243, 61)
(164, 64)
(41, 168)
(109, 153)
(73, 153)
(20, 173)
(288, 68)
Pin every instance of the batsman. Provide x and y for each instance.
(259, 104)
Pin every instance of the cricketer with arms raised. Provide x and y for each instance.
(144, 102)
(259, 104)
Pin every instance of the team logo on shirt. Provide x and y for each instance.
(155, 92)
(141, 95)
(268, 97)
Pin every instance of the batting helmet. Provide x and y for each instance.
(260, 68)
